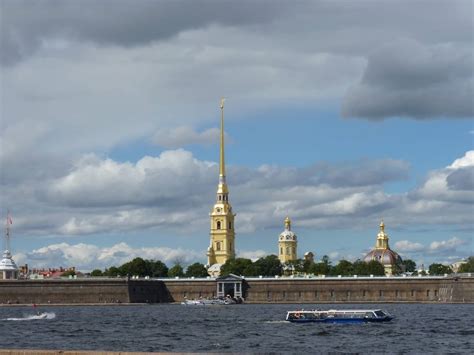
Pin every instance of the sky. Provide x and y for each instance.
(338, 114)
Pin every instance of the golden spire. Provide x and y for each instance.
(221, 161)
(287, 223)
(382, 226)
(222, 188)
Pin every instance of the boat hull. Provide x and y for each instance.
(342, 320)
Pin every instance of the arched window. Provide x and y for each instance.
(218, 246)
(294, 250)
(287, 250)
(230, 225)
(281, 251)
(220, 197)
(218, 224)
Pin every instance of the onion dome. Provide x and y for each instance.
(382, 252)
(287, 234)
(383, 256)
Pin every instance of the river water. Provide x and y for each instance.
(417, 328)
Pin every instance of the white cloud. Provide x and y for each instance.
(86, 257)
(251, 254)
(446, 245)
(405, 246)
(442, 248)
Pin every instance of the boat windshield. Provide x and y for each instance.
(379, 314)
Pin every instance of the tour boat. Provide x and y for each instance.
(339, 316)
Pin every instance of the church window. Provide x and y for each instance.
(218, 224)
(218, 246)
(230, 225)
(294, 250)
(281, 250)
(287, 250)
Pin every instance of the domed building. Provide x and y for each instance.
(8, 268)
(287, 244)
(383, 254)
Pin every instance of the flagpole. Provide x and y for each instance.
(7, 232)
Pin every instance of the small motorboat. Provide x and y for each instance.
(41, 315)
(339, 316)
(212, 301)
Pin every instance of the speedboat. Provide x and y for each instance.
(41, 315)
(339, 316)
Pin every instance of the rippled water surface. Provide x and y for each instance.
(417, 328)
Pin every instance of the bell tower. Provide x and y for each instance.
(222, 244)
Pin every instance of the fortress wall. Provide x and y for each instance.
(333, 290)
(356, 290)
(282, 290)
(190, 289)
(64, 291)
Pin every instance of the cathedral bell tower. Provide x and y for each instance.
(222, 244)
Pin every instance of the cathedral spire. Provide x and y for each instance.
(222, 190)
(222, 244)
(221, 160)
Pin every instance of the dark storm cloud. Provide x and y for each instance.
(408, 79)
(461, 179)
(119, 22)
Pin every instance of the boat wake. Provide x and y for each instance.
(45, 315)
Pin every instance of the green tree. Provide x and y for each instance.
(238, 266)
(320, 268)
(375, 268)
(296, 266)
(157, 268)
(96, 272)
(268, 266)
(439, 269)
(136, 267)
(410, 265)
(176, 271)
(113, 271)
(325, 260)
(196, 270)
(343, 268)
(360, 268)
(468, 266)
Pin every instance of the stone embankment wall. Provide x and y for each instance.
(282, 290)
(334, 290)
(82, 291)
(361, 290)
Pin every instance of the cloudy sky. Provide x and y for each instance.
(338, 114)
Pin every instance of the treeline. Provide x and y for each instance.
(271, 266)
(152, 268)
